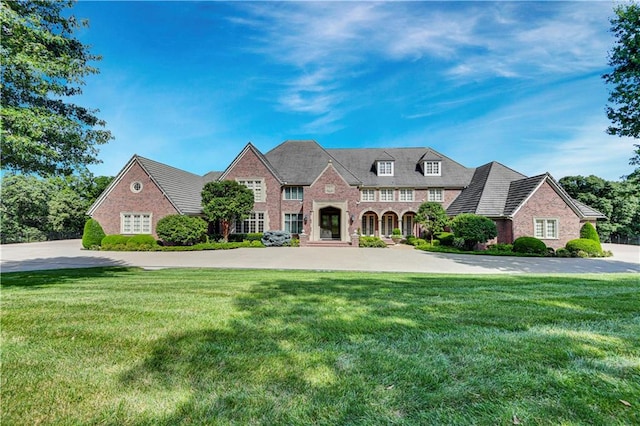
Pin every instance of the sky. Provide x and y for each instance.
(189, 84)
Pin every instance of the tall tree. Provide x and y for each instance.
(43, 66)
(624, 111)
(226, 201)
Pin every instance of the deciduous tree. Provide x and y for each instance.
(432, 217)
(226, 201)
(43, 67)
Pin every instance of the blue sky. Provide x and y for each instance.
(189, 84)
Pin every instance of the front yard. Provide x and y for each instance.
(126, 346)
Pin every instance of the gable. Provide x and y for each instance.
(250, 163)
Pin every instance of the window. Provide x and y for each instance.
(546, 228)
(386, 195)
(293, 193)
(256, 187)
(136, 187)
(293, 223)
(385, 168)
(406, 195)
(254, 223)
(432, 168)
(135, 223)
(367, 195)
(369, 224)
(435, 194)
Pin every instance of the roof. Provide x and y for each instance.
(408, 170)
(488, 191)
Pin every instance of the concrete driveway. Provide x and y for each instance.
(401, 258)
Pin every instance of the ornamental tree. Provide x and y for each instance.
(432, 217)
(43, 67)
(473, 229)
(226, 201)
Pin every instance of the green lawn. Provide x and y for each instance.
(132, 347)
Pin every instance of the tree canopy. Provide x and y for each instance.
(432, 217)
(43, 67)
(226, 201)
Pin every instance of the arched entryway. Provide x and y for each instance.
(369, 224)
(330, 221)
(409, 224)
(388, 222)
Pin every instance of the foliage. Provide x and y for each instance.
(140, 347)
(276, 238)
(501, 248)
(624, 58)
(181, 230)
(563, 252)
(371, 242)
(445, 238)
(589, 232)
(93, 234)
(226, 201)
(432, 217)
(590, 247)
(114, 242)
(473, 229)
(529, 245)
(396, 231)
(43, 67)
(46, 208)
(618, 201)
(256, 236)
(142, 242)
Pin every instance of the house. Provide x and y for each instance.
(335, 195)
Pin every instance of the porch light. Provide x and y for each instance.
(353, 218)
(305, 218)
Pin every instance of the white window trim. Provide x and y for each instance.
(142, 224)
(402, 193)
(258, 197)
(393, 195)
(379, 168)
(369, 191)
(545, 235)
(431, 196)
(439, 172)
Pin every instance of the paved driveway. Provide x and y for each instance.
(69, 254)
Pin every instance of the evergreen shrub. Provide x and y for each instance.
(588, 231)
(370, 242)
(589, 247)
(92, 235)
(473, 229)
(529, 245)
(180, 230)
(445, 238)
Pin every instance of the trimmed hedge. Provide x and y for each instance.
(92, 235)
(589, 247)
(473, 229)
(529, 245)
(445, 238)
(238, 238)
(588, 231)
(372, 242)
(142, 242)
(181, 230)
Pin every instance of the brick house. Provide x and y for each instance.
(334, 195)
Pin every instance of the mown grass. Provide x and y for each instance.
(132, 347)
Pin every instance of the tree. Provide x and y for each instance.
(24, 208)
(473, 229)
(226, 201)
(43, 66)
(432, 217)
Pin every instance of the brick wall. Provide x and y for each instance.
(545, 203)
(121, 199)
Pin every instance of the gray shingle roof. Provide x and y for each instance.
(182, 188)
(588, 211)
(488, 191)
(407, 168)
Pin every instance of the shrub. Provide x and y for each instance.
(501, 248)
(529, 245)
(563, 252)
(238, 238)
(588, 231)
(445, 238)
(372, 242)
(142, 242)
(458, 243)
(420, 242)
(473, 229)
(396, 231)
(181, 230)
(276, 238)
(92, 235)
(589, 247)
(115, 242)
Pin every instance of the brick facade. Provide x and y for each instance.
(122, 200)
(546, 203)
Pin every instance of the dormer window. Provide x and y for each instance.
(385, 168)
(432, 168)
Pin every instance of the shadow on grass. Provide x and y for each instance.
(45, 278)
(421, 350)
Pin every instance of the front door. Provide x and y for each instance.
(330, 223)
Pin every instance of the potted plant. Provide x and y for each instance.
(396, 235)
